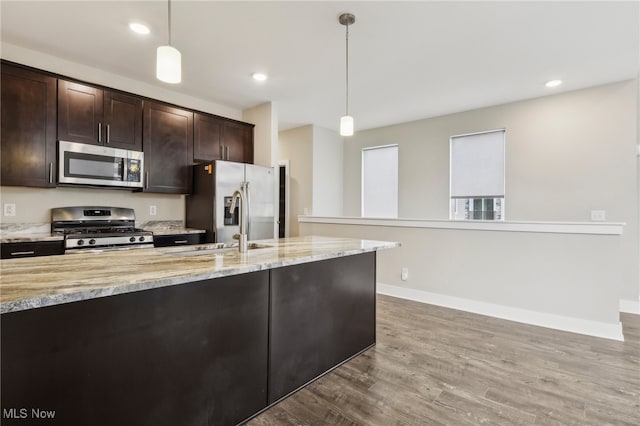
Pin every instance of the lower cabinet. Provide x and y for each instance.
(177, 240)
(191, 354)
(31, 249)
(322, 313)
(212, 352)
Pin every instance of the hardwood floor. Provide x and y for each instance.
(439, 366)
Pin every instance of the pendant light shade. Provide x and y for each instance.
(346, 125)
(169, 59)
(169, 64)
(346, 122)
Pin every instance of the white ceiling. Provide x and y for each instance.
(408, 60)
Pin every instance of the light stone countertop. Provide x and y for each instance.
(168, 227)
(27, 232)
(35, 282)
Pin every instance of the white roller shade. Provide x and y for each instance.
(477, 165)
(380, 182)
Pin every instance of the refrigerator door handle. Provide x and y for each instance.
(247, 194)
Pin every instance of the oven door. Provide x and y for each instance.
(99, 165)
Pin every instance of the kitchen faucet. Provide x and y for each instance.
(244, 211)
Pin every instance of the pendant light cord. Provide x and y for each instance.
(347, 71)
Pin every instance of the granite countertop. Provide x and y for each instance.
(168, 227)
(33, 232)
(35, 282)
(27, 232)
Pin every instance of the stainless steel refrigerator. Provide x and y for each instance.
(213, 186)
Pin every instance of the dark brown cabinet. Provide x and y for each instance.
(101, 117)
(321, 314)
(31, 249)
(177, 240)
(216, 138)
(238, 141)
(207, 137)
(28, 133)
(190, 354)
(168, 148)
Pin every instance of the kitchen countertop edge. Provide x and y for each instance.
(44, 300)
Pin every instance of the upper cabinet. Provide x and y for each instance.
(28, 133)
(168, 148)
(207, 137)
(101, 117)
(216, 138)
(238, 141)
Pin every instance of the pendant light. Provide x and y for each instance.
(168, 63)
(346, 122)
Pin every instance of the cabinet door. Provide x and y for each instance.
(28, 133)
(80, 112)
(207, 132)
(123, 121)
(168, 148)
(238, 142)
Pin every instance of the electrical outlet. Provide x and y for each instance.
(153, 210)
(9, 209)
(404, 276)
(598, 215)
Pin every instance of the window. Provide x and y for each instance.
(477, 176)
(380, 181)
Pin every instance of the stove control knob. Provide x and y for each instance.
(92, 241)
(132, 239)
(80, 242)
(141, 238)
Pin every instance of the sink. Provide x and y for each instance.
(217, 248)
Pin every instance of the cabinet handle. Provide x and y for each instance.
(108, 133)
(146, 180)
(50, 172)
(99, 132)
(227, 149)
(180, 242)
(221, 152)
(21, 253)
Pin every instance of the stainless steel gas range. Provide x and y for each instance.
(98, 228)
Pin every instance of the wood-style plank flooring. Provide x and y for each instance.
(439, 366)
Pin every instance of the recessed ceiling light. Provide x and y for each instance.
(553, 83)
(258, 76)
(139, 28)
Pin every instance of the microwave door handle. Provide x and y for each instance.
(125, 170)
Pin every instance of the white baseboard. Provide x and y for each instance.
(630, 306)
(542, 319)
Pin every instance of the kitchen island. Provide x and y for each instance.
(181, 335)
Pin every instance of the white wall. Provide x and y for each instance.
(566, 155)
(563, 281)
(315, 155)
(265, 135)
(296, 145)
(327, 172)
(33, 204)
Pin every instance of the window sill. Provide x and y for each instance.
(591, 228)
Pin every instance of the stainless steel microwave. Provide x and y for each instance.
(84, 164)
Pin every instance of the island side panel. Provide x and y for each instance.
(322, 313)
(191, 354)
